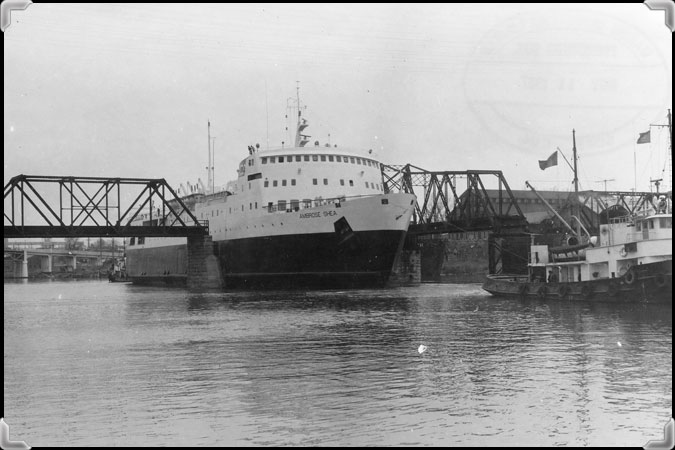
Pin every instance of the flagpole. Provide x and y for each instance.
(576, 183)
(634, 169)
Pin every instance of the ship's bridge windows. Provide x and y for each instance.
(293, 182)
(274, 183)
(651, 224)
(352, 160)
(298, 158)
(342, 182)
(323, 157)
(141, 240)
(345, 160)
(281, 205)
(254, 176)
(281, 159)
(666, 222)
(264, 159)
(367, 185)
(315, 157)
(289, 158)
(272, 159)
(351, 183)
(325, 181)
(315, 181)
(330, 158)
(283, 182)
(132, 241)
(267, 183)
(338, 158)
(358, 161)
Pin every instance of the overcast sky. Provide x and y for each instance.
(126, 90)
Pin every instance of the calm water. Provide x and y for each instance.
(91, 363)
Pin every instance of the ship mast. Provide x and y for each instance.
(209, 168)
(670, 148)
(300, 139)
(576, 180)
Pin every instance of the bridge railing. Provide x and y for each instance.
(68, 206)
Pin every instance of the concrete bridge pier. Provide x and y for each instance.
(203, 266)
(24, 265)
(407, 269)
(46, 263)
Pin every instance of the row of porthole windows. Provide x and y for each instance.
(296, 205)
(322, 158)
(281, 205)
(315, 182)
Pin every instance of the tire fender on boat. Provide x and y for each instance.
(586, 291)
(660, 280)
(630, 276)
(563, 290)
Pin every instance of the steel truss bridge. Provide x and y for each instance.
(69, 206)
(456, 201)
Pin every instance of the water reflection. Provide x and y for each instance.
(331, 367)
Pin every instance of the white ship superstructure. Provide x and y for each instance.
(298, 215)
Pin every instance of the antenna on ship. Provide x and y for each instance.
(209, 168)
(645, 138)
(670, 149)
(213, 165)
(300, 139)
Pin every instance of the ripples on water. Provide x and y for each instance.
(92, 363)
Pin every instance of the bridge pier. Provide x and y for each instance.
(407, 269)
(203, 267)
(24, 265)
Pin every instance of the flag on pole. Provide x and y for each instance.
(550, 161)
(644, 138)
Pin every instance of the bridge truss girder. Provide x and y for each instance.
(443, 208)
(94, 206)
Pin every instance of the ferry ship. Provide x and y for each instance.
(306, 215)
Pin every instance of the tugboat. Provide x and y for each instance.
(630, 260)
